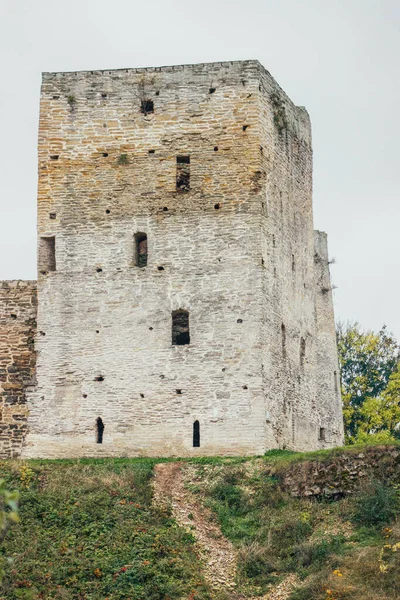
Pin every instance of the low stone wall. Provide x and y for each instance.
(342, 472)
(17, 361)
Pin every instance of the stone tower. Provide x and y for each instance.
(184, 299)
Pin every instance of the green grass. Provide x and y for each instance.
(319, 540)
(88, 531)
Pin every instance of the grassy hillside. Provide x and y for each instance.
(89, 531)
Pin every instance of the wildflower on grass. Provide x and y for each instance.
(97, 572)
(337, 573)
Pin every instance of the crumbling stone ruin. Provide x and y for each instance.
(184, 298)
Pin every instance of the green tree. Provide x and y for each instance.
(370, 387)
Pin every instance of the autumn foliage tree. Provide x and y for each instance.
(370, 378)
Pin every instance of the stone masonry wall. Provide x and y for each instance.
(233, 247)
(328, 396)
(17, 361)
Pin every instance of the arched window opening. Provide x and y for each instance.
(196, 434)
(180, 328)
(140, 249)
(100, 430)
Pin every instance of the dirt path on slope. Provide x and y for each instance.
(217, 553)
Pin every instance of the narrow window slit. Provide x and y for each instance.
(196, 434)
(283, 329)
(183, 173)
(322, 434)
(140, 257)
(100, 430)
(302, 351)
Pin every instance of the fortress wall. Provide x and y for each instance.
(105, 348)
(235, 249)
(288, 248)
(17, 361)
(329, 401)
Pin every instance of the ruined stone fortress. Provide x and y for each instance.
(183, 303)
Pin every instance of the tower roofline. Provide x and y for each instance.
(166, 68)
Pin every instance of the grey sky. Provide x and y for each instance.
(339, 58)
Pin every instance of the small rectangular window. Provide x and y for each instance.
(322, 434)
(140, 258)
(180, 328)
(183, 173)
(47, 254)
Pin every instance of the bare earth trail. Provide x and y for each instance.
(218, 555)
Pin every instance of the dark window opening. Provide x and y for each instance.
(99, 378)
(47, 254)
(302, 351)
(183, 173)
(239, 321)
(293, 264)
(105, 154)
(178, 392)
(104, 95)
(196, 434)
(151, 151)
(212, 90)
(108, 211)
(84, 395)
(244, 127)
(215, 148)
(322, 434)
(53, 215)
(180, 328)
(157, 93)
(335, 380)
(147, 106)
(283, 328)
(165, 208)
(245, 387)
(140, 249)
(142, 395)
(54, 157)
(100, 430)
(13, 316)
(217, 206)
(99, 270)
(160, 268)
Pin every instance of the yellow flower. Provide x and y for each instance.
(337, 573)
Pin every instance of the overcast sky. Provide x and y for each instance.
(339, 58)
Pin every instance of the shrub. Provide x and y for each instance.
(257, 563)
(375, 505)
(230, 495)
